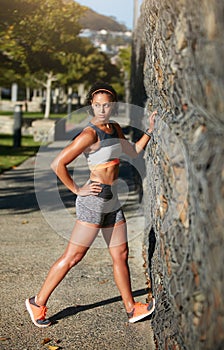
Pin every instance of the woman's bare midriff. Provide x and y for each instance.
(105, 176)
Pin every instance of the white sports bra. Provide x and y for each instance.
(109, 149)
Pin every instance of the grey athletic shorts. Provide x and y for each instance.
(103, 210)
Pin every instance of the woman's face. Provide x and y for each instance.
(102, 106)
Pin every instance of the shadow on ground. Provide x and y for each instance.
(73, 310)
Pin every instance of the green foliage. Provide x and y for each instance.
(124, 60)
(37, 33)
(38, 37)
(124, 65)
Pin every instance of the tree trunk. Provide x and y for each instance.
(135, 14)
(14, 92)
(127, 94)
(27, 93)
(48, 96)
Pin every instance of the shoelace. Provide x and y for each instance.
(139, 304)
(43, 311)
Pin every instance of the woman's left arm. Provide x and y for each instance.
(141, 143)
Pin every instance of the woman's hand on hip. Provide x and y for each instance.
(92, 188)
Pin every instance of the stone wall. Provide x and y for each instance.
(178, 49)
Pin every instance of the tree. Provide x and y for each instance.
(35, 36)
(124, 62)
(40, 40)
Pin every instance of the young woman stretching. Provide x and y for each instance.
(97, 205)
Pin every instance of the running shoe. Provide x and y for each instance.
(141, 311)
(37, 313)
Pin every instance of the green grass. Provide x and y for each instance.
(11, 157)
(34, 115)
(77, 117)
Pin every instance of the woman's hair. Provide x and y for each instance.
(104, 88)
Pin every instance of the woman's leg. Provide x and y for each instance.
(82, 237)
(116, 239)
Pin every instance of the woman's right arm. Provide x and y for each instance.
(68, 154)
(131, 149)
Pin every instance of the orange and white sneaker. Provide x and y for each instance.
(141, 311)
(37, 313)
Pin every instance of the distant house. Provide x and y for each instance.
(107, 41)
(105, 32)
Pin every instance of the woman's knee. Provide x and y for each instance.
(72, 259)
(119, 254)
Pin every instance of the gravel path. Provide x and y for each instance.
(86, 306)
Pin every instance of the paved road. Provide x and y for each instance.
(86, 307)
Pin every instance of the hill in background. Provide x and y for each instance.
(94, 21)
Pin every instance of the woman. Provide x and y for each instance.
(97, 206)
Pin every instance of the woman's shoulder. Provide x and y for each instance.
(89, 130)
(118, 128)
(86, 133)
(115, 123)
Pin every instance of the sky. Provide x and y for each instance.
(121, 9)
